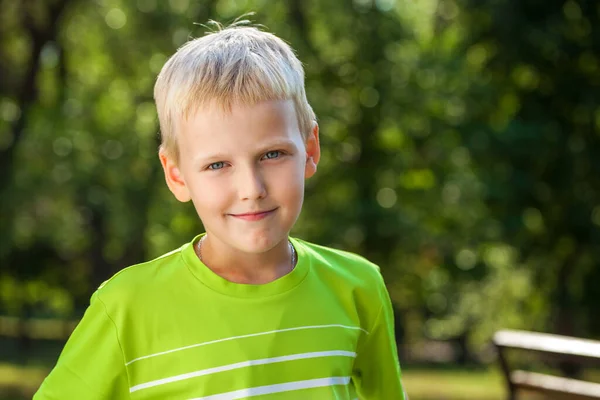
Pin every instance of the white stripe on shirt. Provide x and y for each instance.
(243, 364)
(246, 336)
(278, 388)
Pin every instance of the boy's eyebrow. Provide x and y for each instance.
(203, 159)
(275, 144)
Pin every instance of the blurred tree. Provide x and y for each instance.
(535, 138)
(37, 23)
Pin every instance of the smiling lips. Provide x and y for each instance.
(254, 216)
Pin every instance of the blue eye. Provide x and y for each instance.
(273, 154)
(216, 165)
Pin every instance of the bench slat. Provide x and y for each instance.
(548, 343)
(550, 384)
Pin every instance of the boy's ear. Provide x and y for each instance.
(313, 151)
(174, 178)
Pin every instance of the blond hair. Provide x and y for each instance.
(233, 65)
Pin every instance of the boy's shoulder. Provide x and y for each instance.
(146, 276)
(331, 254)
(342, 263)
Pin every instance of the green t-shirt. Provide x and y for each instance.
(172, 329)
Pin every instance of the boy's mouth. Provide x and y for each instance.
(255, 215)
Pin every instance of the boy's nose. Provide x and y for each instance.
(251, 185)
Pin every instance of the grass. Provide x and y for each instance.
(454, 384)
(20, 382)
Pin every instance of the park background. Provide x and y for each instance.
(461, 152)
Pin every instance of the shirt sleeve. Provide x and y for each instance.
(91, 365)
(376, 372)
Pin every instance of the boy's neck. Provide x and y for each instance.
(246, 268)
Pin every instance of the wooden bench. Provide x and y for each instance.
(553, 347)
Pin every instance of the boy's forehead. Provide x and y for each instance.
(219, 128)
(259, 115)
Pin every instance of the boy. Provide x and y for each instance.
(243, 311)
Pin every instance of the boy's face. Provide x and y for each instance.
(244, 170)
